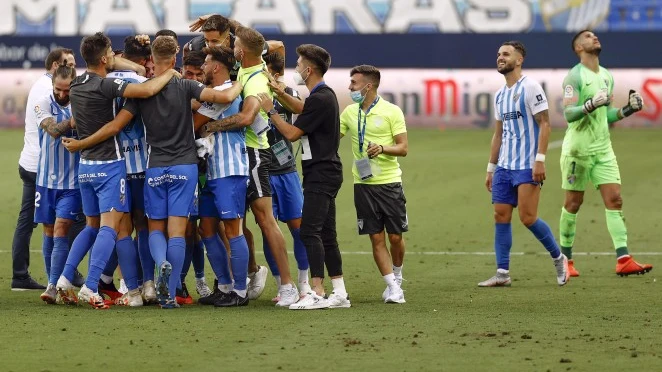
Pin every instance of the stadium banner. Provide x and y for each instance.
(80, 17)
(432, 98)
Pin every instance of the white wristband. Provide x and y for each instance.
(540, 157)
(491, 167)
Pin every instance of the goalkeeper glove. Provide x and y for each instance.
(635, 103)
(600, 98)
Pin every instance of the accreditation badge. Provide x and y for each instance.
(282, 152)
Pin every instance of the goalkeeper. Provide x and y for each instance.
(587, 154)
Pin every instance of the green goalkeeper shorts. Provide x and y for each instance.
(599, 169)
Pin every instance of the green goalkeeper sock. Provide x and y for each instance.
(617, 230)
(567, 228)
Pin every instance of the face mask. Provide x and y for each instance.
(298, 79)
(357, 96)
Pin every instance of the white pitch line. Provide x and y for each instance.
(459, 253)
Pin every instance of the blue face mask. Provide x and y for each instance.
(357, 96)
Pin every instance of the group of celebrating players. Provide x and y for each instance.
(137, 147)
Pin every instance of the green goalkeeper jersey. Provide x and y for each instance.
(590, 134)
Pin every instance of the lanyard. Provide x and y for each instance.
(361, 131)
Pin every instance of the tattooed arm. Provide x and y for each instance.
(55, 129)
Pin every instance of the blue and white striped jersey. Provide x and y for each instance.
(57, 168)
(132, 137)
(515, 108)
(230, 157)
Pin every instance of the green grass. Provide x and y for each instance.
(598, 322)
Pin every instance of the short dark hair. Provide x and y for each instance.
(55, 55)
(194, 58)
(577, 35)
(134, 50)
(276, 61)
(316, 55)
(216, 23)
(518, 45)
(65, 72)
(165, 32)
(370, 72)
(221, 54)
(163, 48)
(92, 48)
(253, 40)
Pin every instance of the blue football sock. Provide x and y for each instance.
(158, 246)
(300, 253)
(111, 266)
(104, 245)
(239, 260)
(47, 251)
(146, 260)
(82, 244)
(188, 256)
(175, 255)
(59, 258)
(139, 268)
(543, 233)
(218, 259)
(268, 256)
(128, 258)
(503, 241)
(199, 260)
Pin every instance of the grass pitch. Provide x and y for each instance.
(598, 322)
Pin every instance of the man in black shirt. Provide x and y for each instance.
(318, 127)
(102, 171)
(172, 171)
(287, 196)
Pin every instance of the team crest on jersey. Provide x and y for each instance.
(37, 109)
(516, 97)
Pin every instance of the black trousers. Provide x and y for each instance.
(318, 233)
(25, 225)
(21, 245)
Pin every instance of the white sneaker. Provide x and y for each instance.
(288, 296)
(202, 288)
(311, 302)
(123, 289)
(398, 281)
(304, 288)
(86, 296)
(337, 301)
(50, 295)
(257, 282)
(131, 298)
(498, 280)
(562, 272)
(396, 296)
(149, 292)
(66, 290)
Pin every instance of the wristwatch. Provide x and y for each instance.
(273, 112)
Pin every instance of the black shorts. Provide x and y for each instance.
(379, 207)
(259, 186)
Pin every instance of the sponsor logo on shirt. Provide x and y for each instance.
(514, 115)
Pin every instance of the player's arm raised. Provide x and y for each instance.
(111, 129)
(150, 87)
(495, 147)
(635, 104)
(574, 110)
